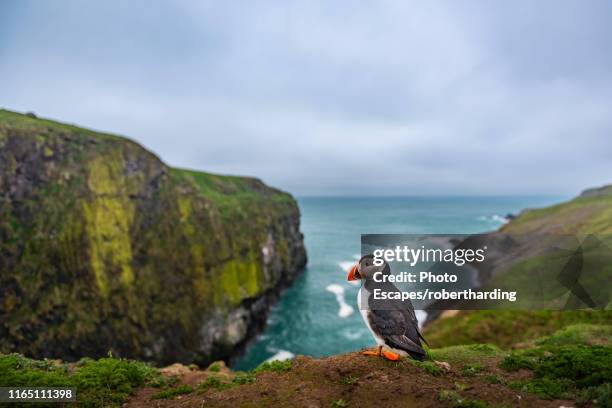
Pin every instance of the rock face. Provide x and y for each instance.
(105, 248)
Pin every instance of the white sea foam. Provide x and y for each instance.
(345, 310)
(495, 218)
(281, 355)
(499, 218)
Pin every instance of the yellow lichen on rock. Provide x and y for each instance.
(188, 227)
(108, 216)
(240, 279)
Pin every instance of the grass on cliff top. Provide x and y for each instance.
(504, 328)
(573, 363)
(110, 381)
(98, 383)
(222, 382)
(217, 185)
(15, 120)
(589, 214)
(231, 192)
(467, 353)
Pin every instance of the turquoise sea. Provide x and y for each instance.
(309, 318)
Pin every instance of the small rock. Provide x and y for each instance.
(443, 365)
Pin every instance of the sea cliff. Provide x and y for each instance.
(104, 248)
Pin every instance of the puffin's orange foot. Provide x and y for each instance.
(370, 353)
(391, 356)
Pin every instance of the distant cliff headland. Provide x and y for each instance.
(523, 256)
(104, 248)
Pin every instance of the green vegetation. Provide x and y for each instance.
(220, 383)
(573, 363)
(461, 386)
(350, 380)
(29, 123)
(105, 382)
(448, 395)
(242, 378)
(470, 403)
(164, 382)
(538, 246)
(505, 328)
(590, 334)
(565, 365)
(494, 379)
(276, 366)
(583, 365)
(471, 370)
(465, 354)
(458, 402)
(228, 191)
(212, 382)
(586, 214)
(471, 357)
(340, 403)
(428, 366)
(173, 392)
(601, 396)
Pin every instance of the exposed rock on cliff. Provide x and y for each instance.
(104, 247)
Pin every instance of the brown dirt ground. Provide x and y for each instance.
(319, 382)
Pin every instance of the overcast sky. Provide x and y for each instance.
(332, 97)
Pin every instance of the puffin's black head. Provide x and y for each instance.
(365, 269)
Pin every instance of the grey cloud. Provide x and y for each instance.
(475, 97)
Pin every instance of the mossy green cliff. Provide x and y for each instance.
(534, 253)
(104, 247)
(535, 247)
(523, 255)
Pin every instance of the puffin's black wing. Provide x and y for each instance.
(398, 330)
(395, 321)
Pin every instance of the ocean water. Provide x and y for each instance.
(318, 315)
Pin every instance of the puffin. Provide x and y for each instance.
(393, 323)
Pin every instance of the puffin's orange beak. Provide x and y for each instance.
(351, 275)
